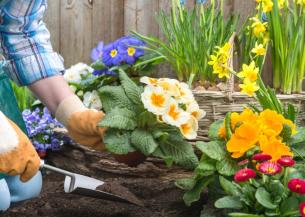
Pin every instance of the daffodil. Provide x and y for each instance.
(155, 99)
(190, 128)
(195, 111)
(259, 50)
(249, 87)
(219, 66)
(174, 115)
(249, 72)
(258, 27)
(149, 81)
(266, 5)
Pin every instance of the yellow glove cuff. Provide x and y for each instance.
(67, 107)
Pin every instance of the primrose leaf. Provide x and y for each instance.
(143, 141)
(186, 183)
(118, 142)
(214, 128)
(227, 166)
(237, 214)
(119, 118)
(229, 187)
(229, 202)
(214, 150)
(114, 96)
(264, 198)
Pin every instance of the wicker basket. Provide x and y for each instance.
(218, 103)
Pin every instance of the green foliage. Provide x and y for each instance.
(190, 37)
(214, 128)
(24, 97)
(228, 202)
(132, 128)
(215, 150)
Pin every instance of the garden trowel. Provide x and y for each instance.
(87, 186)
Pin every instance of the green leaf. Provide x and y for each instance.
(229, 202)
(114, 96)
(264, 198)
(214, 128)
(227, 166)
(118, 142)
(98, 65)
(236, 214)
(143, 141)
(286, 132)
(186, 184)
(229, 187)
(119, 118)
(214, 150)
(194, 194)
(299, 137)
(132, 90)
(206, 167)
(228, 125)
(178, 151)
(289, 205)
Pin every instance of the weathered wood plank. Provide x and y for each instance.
(52, 19)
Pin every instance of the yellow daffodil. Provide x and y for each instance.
(174, 115)
(274, 147)
(266, 5)
(225, 49)
(219, 66)
(249, 72)
(195, 111)
(266, 38)
(190, 128)
(155, 100)
(259, 50)
(149, 81)
(249, 87)
(258, 27)
(300, 2)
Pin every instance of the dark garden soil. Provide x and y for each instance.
(151, 182)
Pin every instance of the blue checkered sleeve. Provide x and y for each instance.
(25, 42)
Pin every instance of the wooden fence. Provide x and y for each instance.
(78, 25)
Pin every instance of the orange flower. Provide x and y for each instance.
(274, 147)
(271, 122)
(244, 138)
(222, 132)
(246, 116)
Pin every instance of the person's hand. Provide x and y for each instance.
(17, 154)
(81, 123)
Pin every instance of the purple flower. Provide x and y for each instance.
(103, 72)
(129, 49)
(97, 52)
(111, 55)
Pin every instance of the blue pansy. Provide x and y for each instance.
(128, 48)
(103, 72)
(111, 55)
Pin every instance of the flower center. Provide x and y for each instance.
(173, 113)
(298, 186)
(185, 128)
(195, 114)
(304, 210)
(113, 53)
(271, 170)
(131, 51)
(157, 100)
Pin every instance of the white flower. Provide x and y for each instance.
(92, 100)
(195, 111)
(148, 80)
(174, 115)
(73, 74)
(185, 94)
(170, 86)
(155, 100)
(190, 128)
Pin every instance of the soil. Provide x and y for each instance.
(160, 200)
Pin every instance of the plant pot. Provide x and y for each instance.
(42, 154)
(131, 159)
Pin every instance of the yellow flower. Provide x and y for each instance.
(259, 50)
(300, 2)
(222, 132)
(155, 100)
(249, 87)
(274, 147)
(169, 86)
(225, 49)
(266, 38)
(245, 138)
(267, 5)
(258, 27)
(271, 122)
(220, 64)
(174, 115)
(249, 72)
(189, 129)
(246, 116)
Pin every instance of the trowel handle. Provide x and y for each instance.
(60, 171)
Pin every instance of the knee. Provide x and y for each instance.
(5, 198)
(23, 191)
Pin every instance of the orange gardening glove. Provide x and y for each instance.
(81, 123)
(17, 154)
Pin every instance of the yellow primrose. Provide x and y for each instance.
(258, 27)
(271, 122)
(249, 87)
(155, 100)
(259, 50)
(174, 115)
(169, 86)
(189, 129)
(249, 72)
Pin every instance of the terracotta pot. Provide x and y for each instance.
(42, 154)
(131, 159)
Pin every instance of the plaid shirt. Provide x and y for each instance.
(25, 42)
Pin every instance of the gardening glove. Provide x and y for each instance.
(81, 122)
(17, 154)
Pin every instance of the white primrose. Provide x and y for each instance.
(174, 115)
(73, 74)
(190, 128)
(92, 100)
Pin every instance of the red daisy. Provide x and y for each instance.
(286, 161)
(261, 157)
(302, 209)
(270, 168)
(244, 175)
(297, 185)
